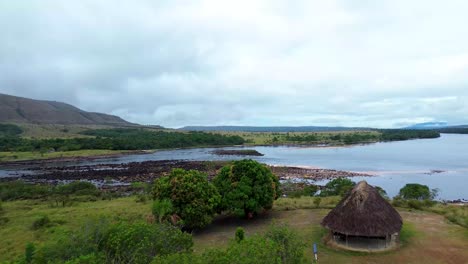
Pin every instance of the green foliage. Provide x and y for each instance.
(240, 234)
(9, 130)
(382, 192)
(317, 201)
(120, 139)
(19, 190)
(405, 134)
(16, 190)
(162, 208)
(29, 252)
(417, 192)
(279, 245)
(141, 242)
(290, 246)
(41, 222)
(338, 186)
(194, 199)
(246, 187)
(103, 242)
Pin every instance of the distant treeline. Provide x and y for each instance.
(359, 137)
(120, 139)
(454, 130)
(405, 134)
(9, 130)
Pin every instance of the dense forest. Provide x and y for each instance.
(9, 130)
(120, 139)
(454, 130)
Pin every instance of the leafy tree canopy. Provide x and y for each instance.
(338, 186)
(246, 187)
(193, 198)
(417, 191)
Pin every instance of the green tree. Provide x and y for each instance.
(417, 191)
(338, 186)
(193, 198)
(246, 187)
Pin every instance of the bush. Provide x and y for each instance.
(338, 186)
(194, 199)
(161, 209)
(29, 252)
(103, 242)
(240, 234)
(417, 192)
(141, 242)
(317, 201)
(291, 248)
(19, 190)
(279, 245)
(246, 187)
(41, 222)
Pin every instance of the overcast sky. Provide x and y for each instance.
(176, 63)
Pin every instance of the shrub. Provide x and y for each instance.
(317, 201)
(29, 252)
(246, 187)
(338, 186)
(240, 234)
(194, 199)
(41, 222)
(19, 190)
(141, 242)
(162, 208)
(291, 248)
(278, 245)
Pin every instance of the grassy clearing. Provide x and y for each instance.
(22, 215)
(457, 214)
(306, 202)
(35, 155)
(426, 237)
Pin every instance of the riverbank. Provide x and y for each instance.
(123, 174)
(18, 158)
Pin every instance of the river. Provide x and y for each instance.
(439, 163)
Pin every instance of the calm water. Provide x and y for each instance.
(394, 163)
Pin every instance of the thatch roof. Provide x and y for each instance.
(363, 212)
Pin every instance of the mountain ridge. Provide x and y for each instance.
(15, 109)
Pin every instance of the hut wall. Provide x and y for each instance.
(366, 243)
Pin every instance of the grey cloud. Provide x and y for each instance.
(212, 62)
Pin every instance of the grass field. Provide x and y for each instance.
(427, 237)
(29, 155)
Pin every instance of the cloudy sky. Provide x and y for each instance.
(175, 63)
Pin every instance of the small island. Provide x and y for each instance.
(237, 152)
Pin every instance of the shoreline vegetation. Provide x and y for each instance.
(117, 141)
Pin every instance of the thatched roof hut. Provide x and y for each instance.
(364, 220)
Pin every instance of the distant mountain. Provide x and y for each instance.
(428, 125)
(269, 129)
(15, 109)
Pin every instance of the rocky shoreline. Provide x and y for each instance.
(126, 173)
